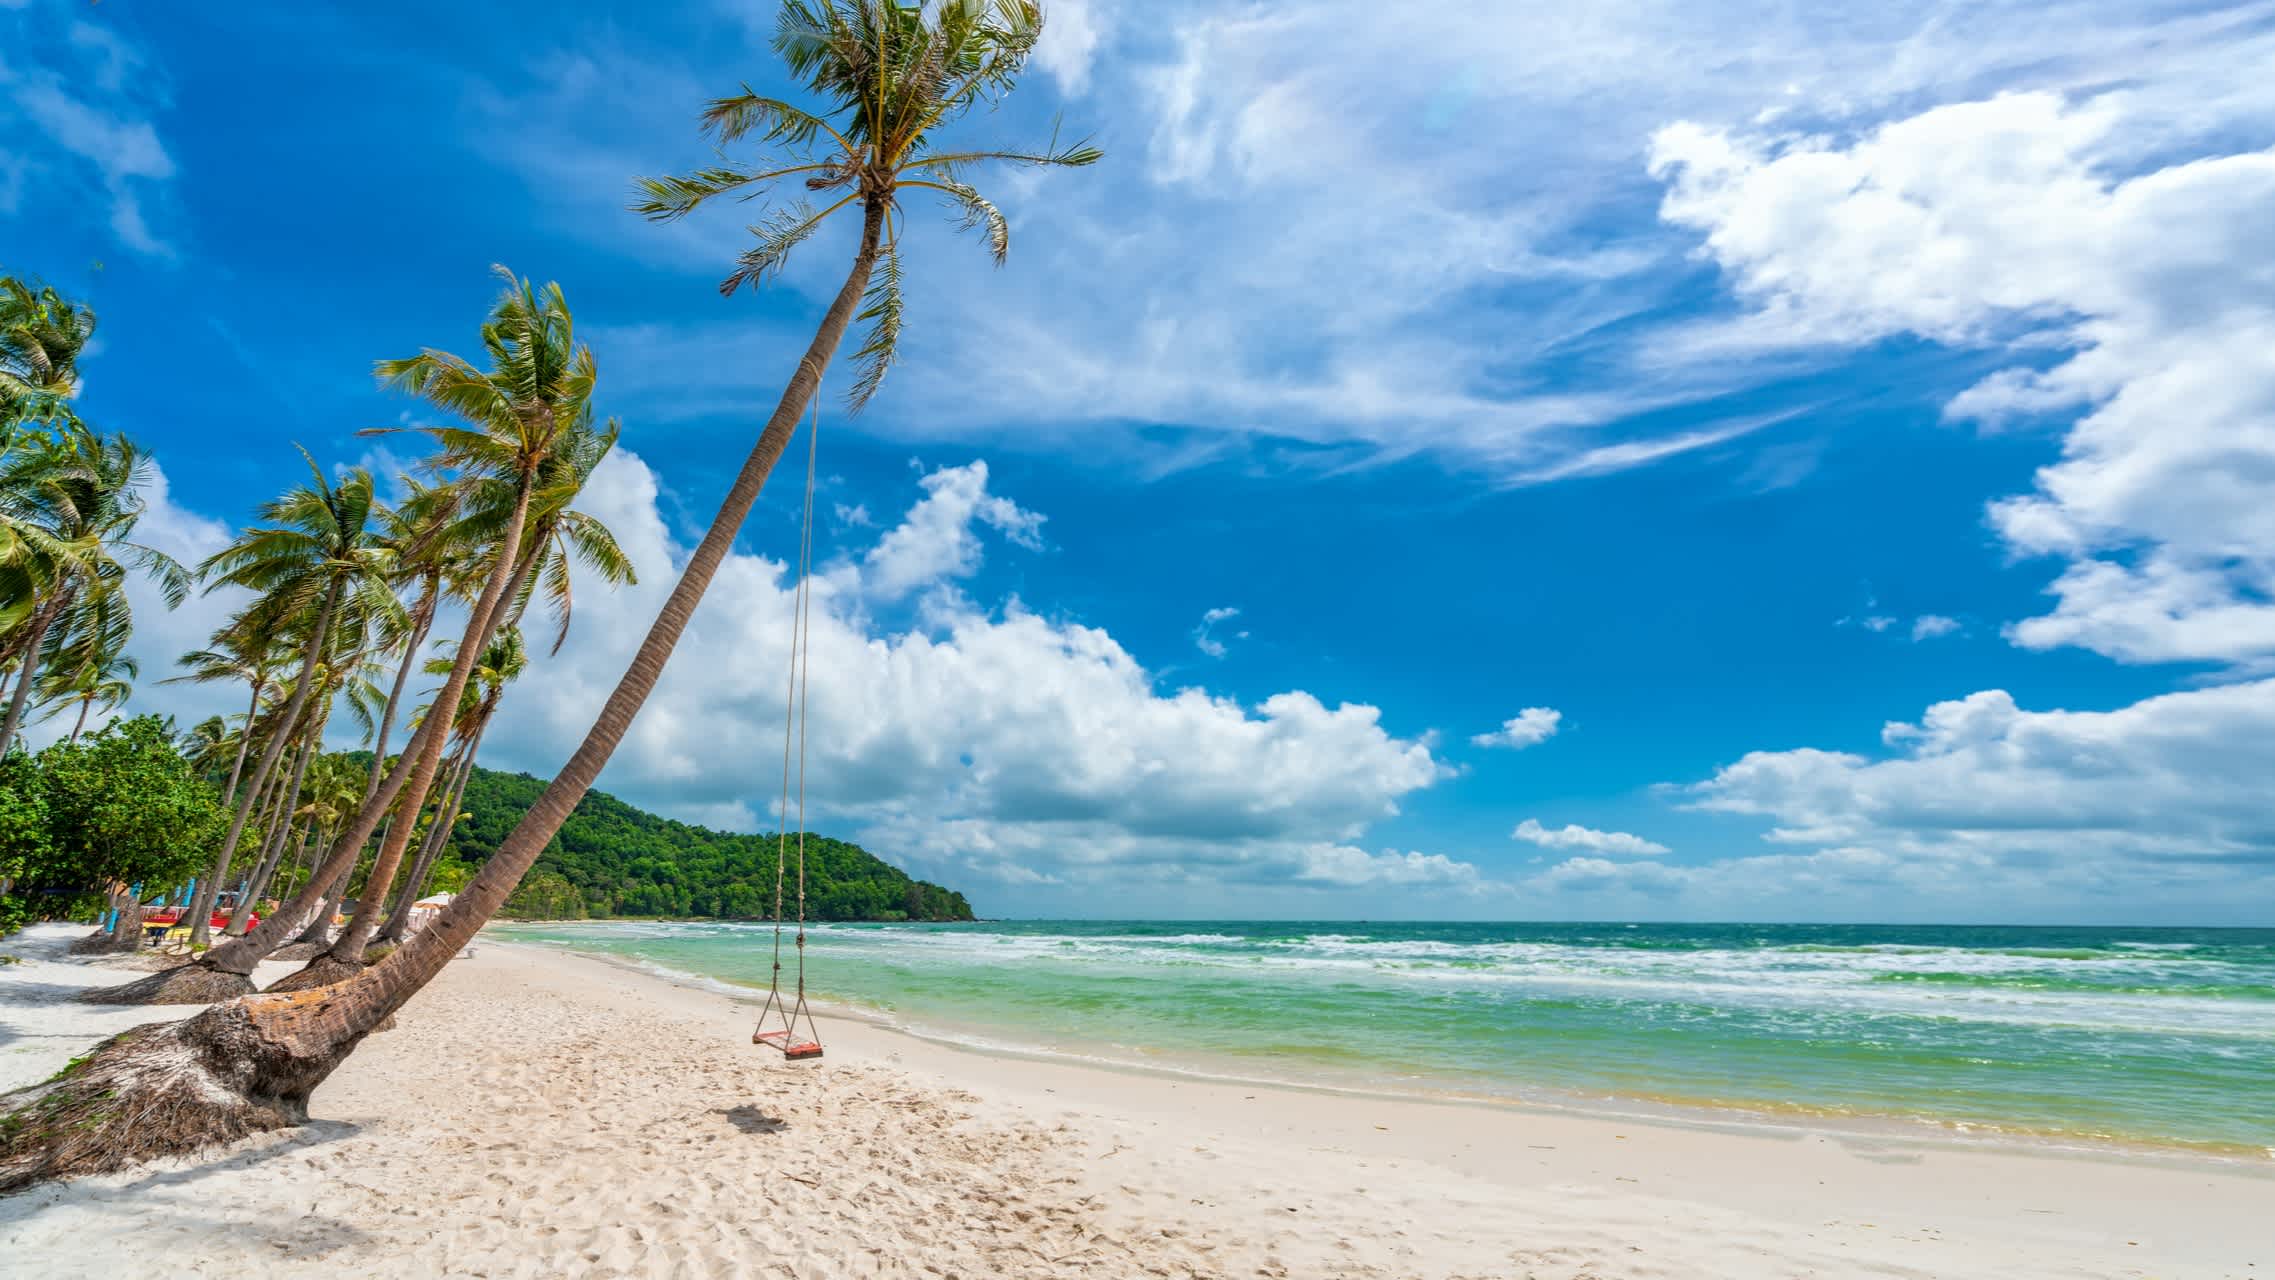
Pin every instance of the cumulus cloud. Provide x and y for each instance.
(2137, 299)
(937, 541)
(1528, 728)
(2165, 792)
(1574, 836)
(974, 741)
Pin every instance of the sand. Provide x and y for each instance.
(540, 1114)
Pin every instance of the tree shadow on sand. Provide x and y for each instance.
(750, 1119)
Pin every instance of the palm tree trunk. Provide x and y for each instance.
(319, 930)
(348, 948)
(424, 613)
(438, 835)
(239, 956)
(84, 705)
(247, 1065)
(279, 827)
(30, 670)
(244, 740)
(310, 658)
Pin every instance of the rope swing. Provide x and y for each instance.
(786, 1037)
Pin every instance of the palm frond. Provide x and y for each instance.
(881, 311)
(778, 234)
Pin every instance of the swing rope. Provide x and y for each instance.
(786, 1037)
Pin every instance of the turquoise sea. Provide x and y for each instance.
(2161, 1036)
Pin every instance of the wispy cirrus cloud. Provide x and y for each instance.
(77, 111)
(1464, 262)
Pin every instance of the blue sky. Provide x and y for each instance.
(1856, 426)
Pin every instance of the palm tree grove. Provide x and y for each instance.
(348, 579)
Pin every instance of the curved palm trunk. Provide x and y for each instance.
(245, 739)
(423, 621)
(85, 705)
(280, 826)
(319, 929)
(29, 671)
(249, 1064)
(438, 835)
(287, 718)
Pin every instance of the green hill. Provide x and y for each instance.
(611, 859)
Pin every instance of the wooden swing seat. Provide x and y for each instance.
(793, 1050)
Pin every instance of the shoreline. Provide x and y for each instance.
(542, 1112)
(1610, 1105)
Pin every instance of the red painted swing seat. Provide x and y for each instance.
(794, 1050)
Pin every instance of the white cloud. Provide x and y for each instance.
(991, 743)
(1574, 836)
(1072, 32)
(2168, 785)
(855, 516)
(2139, 296)
(1528, 728)
(1208, 643)
(1928, 626)
(936, 542)
(1984, 811)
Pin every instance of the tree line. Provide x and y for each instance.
(343, 587)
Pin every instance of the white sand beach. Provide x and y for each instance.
(541, 1114)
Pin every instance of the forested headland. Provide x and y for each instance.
(611, 859)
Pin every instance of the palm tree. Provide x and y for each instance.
(559, 538)
(248, 649)
(106, 677)
(75, 502)
(42, 335)
(208, 743)
(536, 395)
(499, 666)
(316, 558)
(431, 559)
(890, 73)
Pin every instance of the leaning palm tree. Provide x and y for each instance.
(105, 676)
(559, 538)
(500, 664)
(78, 499)
(246, 648)
(889, 75)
